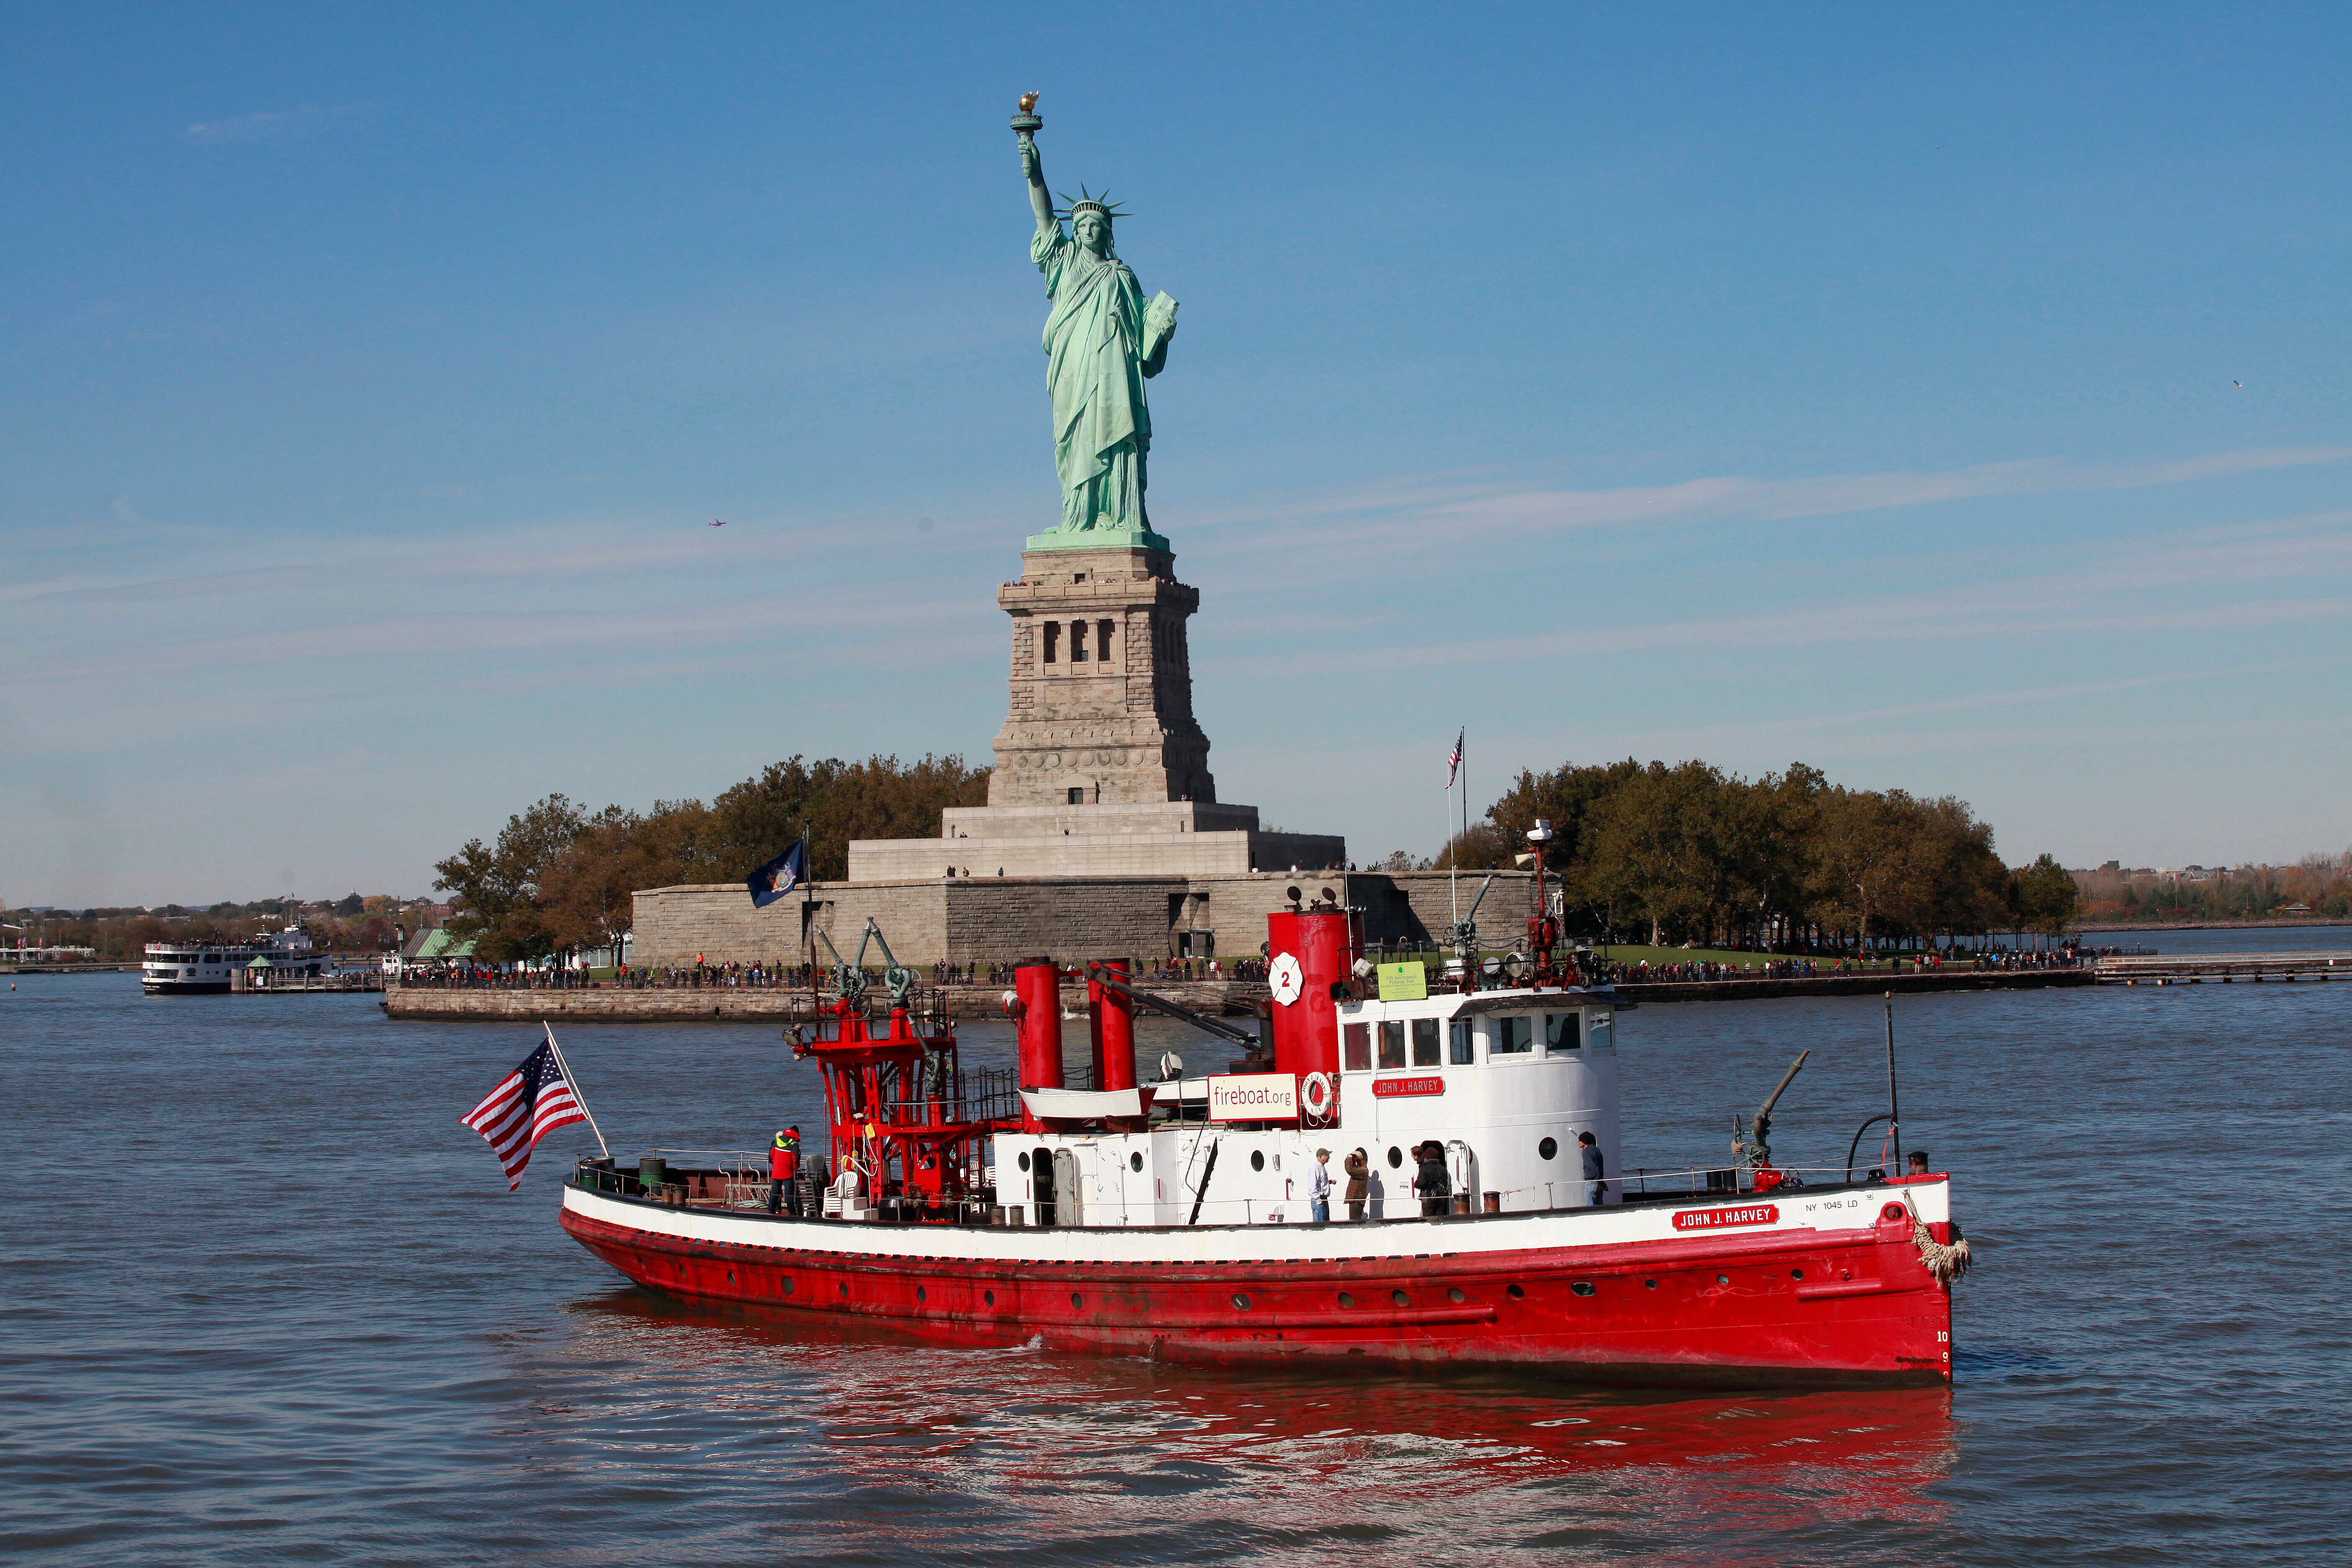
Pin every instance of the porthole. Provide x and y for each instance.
(988, 1298)
(788, 1286)
(920, 1294)
(1396, 1156)
(1649, 1284)
(1241, 1302)
(1796, 1274)
(1135, 1162)
(1723, 1279)
(1455, 1295)
(731, 1276)
(845, 1288)
(1257, 1159)
(1548, 1148)
(1582, 1286)
(1077, 1300)
(1516, 1292)
(1346, 1299)
(1400, 1297)
(1024, 1162)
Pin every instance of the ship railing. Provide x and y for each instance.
(1718, 1181)
(1400, 1203)
(742, 1174)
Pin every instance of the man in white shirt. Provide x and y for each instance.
(1318, 1188)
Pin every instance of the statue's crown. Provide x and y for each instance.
(1101, 204)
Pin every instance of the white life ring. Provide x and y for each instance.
(1286, 978)
(1318, 1095)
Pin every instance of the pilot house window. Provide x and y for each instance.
(1392, 1043)
(1424, 1042)
(1357, 1040)
(1560, 1031)
(1514, 1035)
(1461, 1043)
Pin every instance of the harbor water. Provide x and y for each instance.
(267, 1301)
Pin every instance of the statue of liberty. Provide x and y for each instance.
(1102, 342)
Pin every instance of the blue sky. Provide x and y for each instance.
(1749, 383)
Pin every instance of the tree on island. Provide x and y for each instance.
(559, 879)
(2046, 897)
(1687, 852)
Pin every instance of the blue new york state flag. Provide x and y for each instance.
(779, 876)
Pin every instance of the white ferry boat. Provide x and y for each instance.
(192, 968)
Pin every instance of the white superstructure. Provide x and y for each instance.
(1505, 1080)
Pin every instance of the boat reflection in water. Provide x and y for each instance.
(956, 1447)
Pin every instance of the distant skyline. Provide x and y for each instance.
(1954, 403)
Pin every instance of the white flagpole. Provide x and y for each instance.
(1452, 869)
(574, 1082)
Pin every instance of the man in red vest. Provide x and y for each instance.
(784, 1164)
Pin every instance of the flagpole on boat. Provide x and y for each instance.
(601, 1147)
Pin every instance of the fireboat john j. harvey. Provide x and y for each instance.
(1172, 1218)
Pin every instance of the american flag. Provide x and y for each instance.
(533, 1101)
(1453, 763)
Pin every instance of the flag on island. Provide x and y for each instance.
(779, 876)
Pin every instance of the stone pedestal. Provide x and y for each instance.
(1101, 770)
(1102, 685)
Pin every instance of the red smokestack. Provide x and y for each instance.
(1038, 985)
(1114, 1031)
(1325, 946)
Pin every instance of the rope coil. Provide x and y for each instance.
(1945, 1261)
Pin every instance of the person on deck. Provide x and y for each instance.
(784, 1164)
(1430, 1180)
(1318, 1188)
(1918, 1163)
(1596, 1187)
(1359, 1167)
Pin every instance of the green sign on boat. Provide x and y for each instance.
(1404, 981)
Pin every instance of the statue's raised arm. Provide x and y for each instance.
(1033, 168)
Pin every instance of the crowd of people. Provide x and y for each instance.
(1768, 967)
(770, 975)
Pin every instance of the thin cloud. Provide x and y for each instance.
(269, 122)
(1408, 509)
(2067, 591)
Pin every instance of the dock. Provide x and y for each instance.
(2224, 968)
(350, 983)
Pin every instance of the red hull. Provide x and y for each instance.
(1850, 1305)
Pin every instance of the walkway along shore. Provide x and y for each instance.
(736, 1004)
(752, 1003)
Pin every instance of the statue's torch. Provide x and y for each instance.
(1027, 120)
